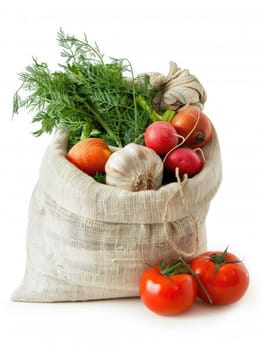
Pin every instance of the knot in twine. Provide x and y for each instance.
(176, 90)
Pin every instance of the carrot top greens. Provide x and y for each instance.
(86, 95)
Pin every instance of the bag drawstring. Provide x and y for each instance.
(180, 252)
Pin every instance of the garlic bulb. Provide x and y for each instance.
(134, 168)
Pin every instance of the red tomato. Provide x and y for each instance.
(223, 275)
(161, 136)
(167, 295)
(190, 120)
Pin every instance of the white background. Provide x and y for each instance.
(221, 43)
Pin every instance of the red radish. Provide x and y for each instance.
(161, 136)
(187, 160)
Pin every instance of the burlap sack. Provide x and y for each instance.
(87, 240)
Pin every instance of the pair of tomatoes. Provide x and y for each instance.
(218, 278)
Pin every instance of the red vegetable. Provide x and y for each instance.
(223, 275)
(161, 136)
(192, 122)
(186, 160)
(168, 290)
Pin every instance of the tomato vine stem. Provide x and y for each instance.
(182, 267)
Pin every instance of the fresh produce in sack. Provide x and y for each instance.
(186, 160)
(161, 136)
(135, 168)
(90, 155)
(86, 238)
(194, 126)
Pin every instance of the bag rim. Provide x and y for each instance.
(78, 192)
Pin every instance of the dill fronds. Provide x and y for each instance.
(87, 95)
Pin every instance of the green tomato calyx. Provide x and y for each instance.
(221, 259)
(182, 267)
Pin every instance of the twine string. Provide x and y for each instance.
(180, 252)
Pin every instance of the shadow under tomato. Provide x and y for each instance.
(202, 309)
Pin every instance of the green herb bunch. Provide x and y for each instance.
(86, 95)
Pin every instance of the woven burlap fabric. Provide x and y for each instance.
(178, 89)
(87, 240)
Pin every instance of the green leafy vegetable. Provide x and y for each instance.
(87, 95)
